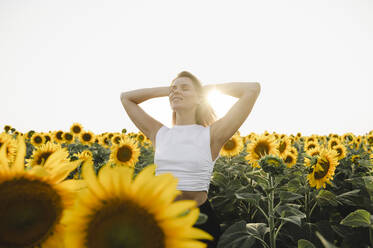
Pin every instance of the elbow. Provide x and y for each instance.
(257, 88)
(253, 88)
(122, 96)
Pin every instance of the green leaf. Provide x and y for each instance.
(288, 210)
(345, 198)
(251, 197)
(297, 220)
(325, 198)
(219, 179)
(358, 218)
(257, 229)
(202, 218)
(325, 243)
(302, 243)
(289, 196)
(236, 236)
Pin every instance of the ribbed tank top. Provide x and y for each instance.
(184, 151)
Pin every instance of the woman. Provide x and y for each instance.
(191, 147)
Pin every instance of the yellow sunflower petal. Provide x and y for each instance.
(171, 243)
(60, 174)
(73, 185)
(177, 208)
(142, 177)
(39, 171)
(19, 165)
(196, 233)
(94, 185)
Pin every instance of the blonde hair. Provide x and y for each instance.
(205, 114)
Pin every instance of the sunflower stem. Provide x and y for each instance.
(272, 236)
(307, 210)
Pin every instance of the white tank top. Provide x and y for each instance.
(184, 151)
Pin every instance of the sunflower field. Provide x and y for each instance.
(79, 189)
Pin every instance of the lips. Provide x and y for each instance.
(176, 97)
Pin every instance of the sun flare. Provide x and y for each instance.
(221, 103)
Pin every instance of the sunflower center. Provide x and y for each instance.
(325, 166)
(261, 149)
(123, 224)
(117, 140)
(87, 137)
(28, 212)
(229, 145)
(311, 146)
(289, 159)
(38, 139)
(124, 153)
(282, 147)
(68, 137)
(43, 157)
(59, 135)
(76, 129)
(339, 151)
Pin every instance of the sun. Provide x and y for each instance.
(221, 103)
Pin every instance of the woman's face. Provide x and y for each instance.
(183, 94)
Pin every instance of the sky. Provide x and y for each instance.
(68, 61)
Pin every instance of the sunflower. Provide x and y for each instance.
(290, 159)
(41, 154)
(86, 137)
(105, 141)
(125, 153)
(119, 211)
(116, 139)
(312, 152)
(48, 137)
(261, 146)
(322, 140)
(68, 137)
(348, 138)
(283, 147)
(29, 134)
(312, 138)
(34, 201)
(232, 147)
(311, 145)
(76, 129)
(333, 142)
(355, 159)
(85, 155)
(7, 128)
(323, 170)
(11, 146)
(294, 151)
(271, 164)
(341, 151)
(141, 138)
(58, 136)
(37, 139)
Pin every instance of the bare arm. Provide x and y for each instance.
(224, 128)
(234, 89)
(140, 95)
(144, 122)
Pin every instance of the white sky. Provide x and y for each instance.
(68, 61)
